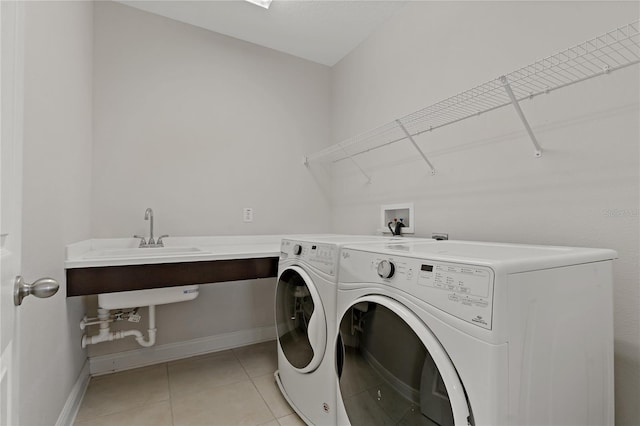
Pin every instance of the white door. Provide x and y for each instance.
(300, 320)
(393, 370)
(11, 93)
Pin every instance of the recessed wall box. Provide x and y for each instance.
(391, 212)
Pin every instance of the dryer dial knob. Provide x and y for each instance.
(386, 269)
(297, 249)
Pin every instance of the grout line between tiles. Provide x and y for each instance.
(264, 400)
(173, 420)
(254, 385)
(137, 406)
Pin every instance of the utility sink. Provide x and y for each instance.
(143, 252)
(156, 296)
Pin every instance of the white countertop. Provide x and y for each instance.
(125, 251)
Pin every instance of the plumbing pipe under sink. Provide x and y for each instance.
(128, 299)
(106, 335)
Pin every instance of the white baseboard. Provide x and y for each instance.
(142, 357)
(70, 410)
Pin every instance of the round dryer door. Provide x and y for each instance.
(300, 320)
(393, 370)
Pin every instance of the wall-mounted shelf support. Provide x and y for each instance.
(306, 162)
(415, 145)
(507, 87)
(360, 168)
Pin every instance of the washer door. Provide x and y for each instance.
(393, 370)
(300, 320)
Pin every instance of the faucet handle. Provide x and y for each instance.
(143, 241)
(160, 243)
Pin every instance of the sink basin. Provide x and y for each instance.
(156, 296)
(143, 252)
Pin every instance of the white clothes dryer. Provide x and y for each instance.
(458, 333)
(305, 310)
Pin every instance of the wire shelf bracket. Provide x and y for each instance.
(355, 163)
(507, 87)
(415, 145)
(601, 55)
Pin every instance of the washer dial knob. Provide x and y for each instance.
(297, 249)
(386, 269)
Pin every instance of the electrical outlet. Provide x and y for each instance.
(247, 214)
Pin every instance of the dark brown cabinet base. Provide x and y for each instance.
(108, 279)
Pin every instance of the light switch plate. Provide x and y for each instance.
(247, 214)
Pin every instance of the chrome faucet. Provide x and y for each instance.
(148, 215)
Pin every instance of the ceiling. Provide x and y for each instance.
(319, 31)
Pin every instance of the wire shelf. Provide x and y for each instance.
(601, 55)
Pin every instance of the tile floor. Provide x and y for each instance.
(233, 387)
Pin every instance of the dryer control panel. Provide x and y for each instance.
(462, 290)
(321, 256)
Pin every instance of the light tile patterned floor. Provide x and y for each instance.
(234, 387)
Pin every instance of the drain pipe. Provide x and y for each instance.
(106, 335)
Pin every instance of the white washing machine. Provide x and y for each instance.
(474, 333)
(305, 309)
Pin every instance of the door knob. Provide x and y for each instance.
(44, 287)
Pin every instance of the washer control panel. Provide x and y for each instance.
(462, 290)
(322, 256)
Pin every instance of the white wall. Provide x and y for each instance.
(197, 126)
(56, 199)
(584, 191)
